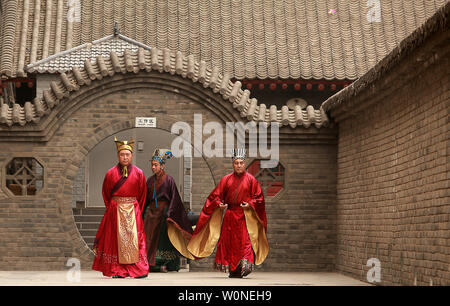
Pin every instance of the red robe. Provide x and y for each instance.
(242, 235)
(106, 240)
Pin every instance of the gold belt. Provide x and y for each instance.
(124, 200)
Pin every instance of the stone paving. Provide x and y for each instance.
(182, 278)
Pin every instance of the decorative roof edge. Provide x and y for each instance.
(163, 60)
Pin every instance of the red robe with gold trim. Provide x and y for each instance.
(106, 240)
(242, 234)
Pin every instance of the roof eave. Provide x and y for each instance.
(438, 22)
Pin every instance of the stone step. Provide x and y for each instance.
(88, 233)
(91, 219)
(88, 225)
(89, 211)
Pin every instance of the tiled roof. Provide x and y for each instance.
(439, 22)
(321, 39)
(66, 60)
(162, 61)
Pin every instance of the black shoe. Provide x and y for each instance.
(118, 276)
(233, 274)
(142, 276)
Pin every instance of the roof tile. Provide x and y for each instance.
(161, 60)
(247, 39)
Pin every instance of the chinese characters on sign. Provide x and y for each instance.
(145, 122)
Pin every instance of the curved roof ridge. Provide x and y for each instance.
(162, 60)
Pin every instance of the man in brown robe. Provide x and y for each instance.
(166, 224)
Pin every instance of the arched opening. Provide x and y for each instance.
(87, 202)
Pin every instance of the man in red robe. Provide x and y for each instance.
(119, 245)
(242, 240)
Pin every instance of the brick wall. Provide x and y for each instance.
(393, 191)
(41, 232)
(301, 218)
(301, 229)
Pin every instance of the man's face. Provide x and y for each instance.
(125, 157)
(157, 167)
(239, 166)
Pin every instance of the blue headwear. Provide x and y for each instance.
(161, 155)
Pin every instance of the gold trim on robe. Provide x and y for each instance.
(178, 240)
(127, 238)
(257, 235)
(203, 243)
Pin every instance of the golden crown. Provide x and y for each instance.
(124, 144)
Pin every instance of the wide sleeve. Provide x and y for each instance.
(214, 199)
(179, 228)
(142, 195)
(207, 231)
(256, 222)
(257, 202)
(176, 211)
(106, 189)
(147, 197)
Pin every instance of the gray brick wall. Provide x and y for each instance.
(392, 194)
(301, 218)
(42, 232)
(79, 188)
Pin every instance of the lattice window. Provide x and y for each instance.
(270, 179)
(24, 176)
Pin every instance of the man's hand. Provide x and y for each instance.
(245, 205)
(223, 206)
